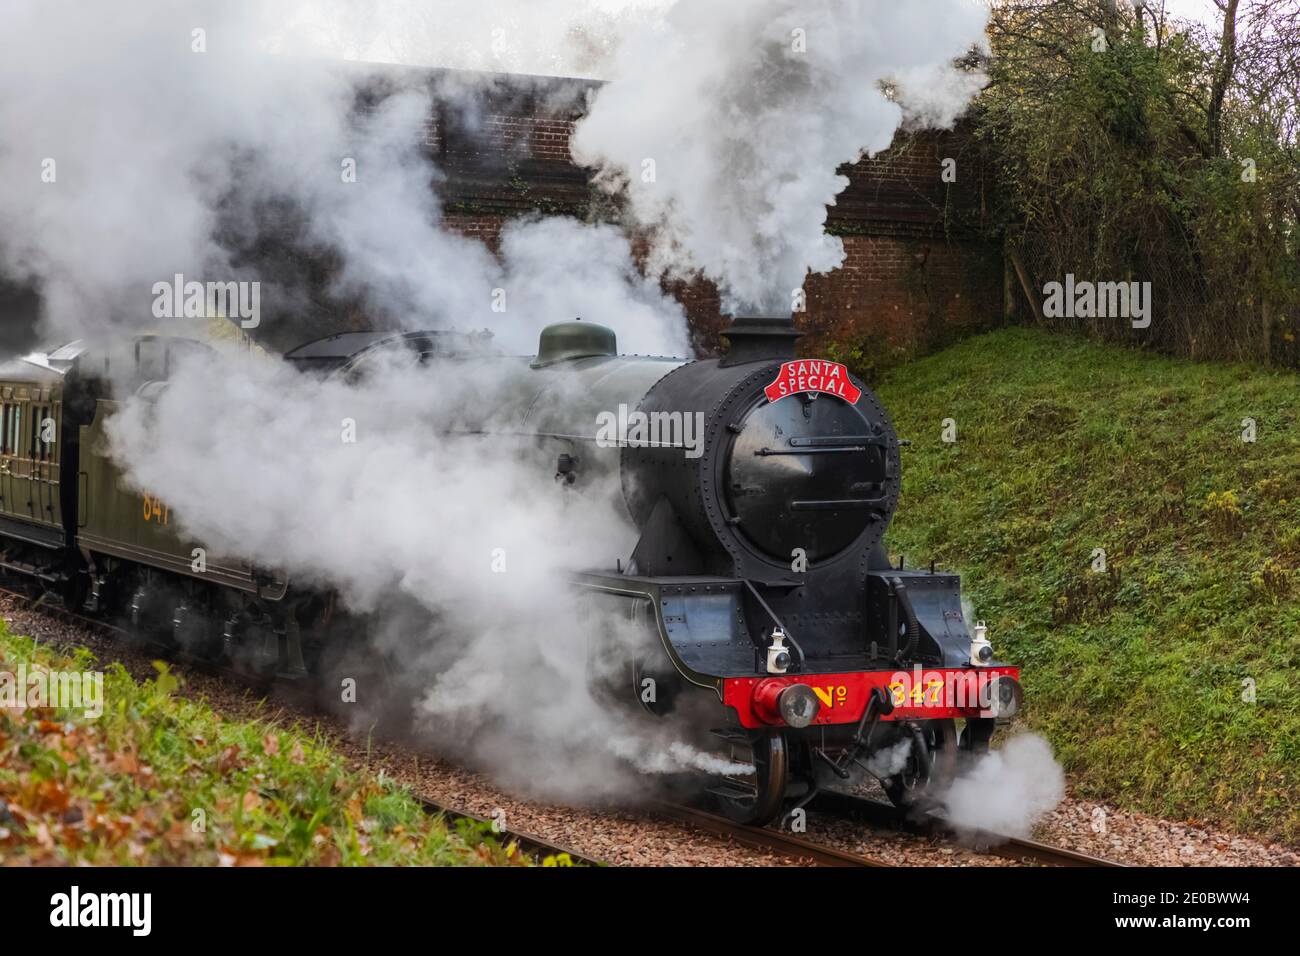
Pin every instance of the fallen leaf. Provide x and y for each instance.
(271, 744)
(51, 796)
(231, 857)
(354, 808)
(329, 856)
(126, 762)
(177, 834)
(229, 758)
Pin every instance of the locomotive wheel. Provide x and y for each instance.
(148, 616)
(922, 776)
(758, 798)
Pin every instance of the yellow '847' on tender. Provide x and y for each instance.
(155, 510)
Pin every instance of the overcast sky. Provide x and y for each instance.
(528, 36)
(1203, 10)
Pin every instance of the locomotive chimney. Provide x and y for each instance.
(759, 339)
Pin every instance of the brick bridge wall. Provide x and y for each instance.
(917, 272)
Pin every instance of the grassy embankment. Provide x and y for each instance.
(161, 779)
(1137, 673)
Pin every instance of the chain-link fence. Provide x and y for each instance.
(1056, 287)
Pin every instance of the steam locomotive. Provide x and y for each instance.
(763, 602)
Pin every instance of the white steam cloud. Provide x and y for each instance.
(459, 545)
(1007, 790)
(890, 760)
(159, 137)
(727, 124)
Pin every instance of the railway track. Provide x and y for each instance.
(884, 815)
(807, 852)
(536, 847)
(763, 838)
(878, 815)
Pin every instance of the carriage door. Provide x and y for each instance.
(15, 468)
(6, 452)
(45, 459)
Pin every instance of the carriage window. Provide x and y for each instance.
(42, 450)
(12, 428)
(52, 449)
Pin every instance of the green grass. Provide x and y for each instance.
(1136, 674)
(161, 779)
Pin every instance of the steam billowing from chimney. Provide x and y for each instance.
(728, 123)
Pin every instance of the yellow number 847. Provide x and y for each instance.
(919, 695)
(156, 510)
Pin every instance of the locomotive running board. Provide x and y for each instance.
(691, 613)
(238, 577)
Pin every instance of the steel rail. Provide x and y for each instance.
(879, 814)
(761, 838)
